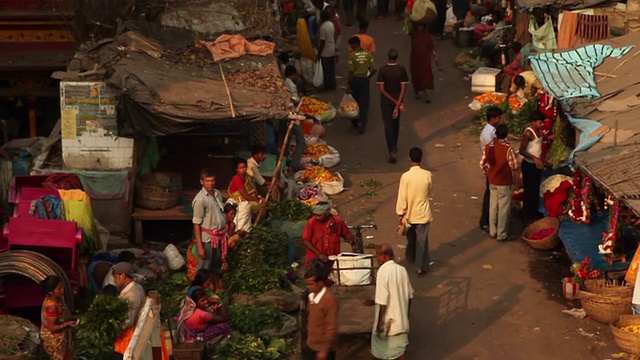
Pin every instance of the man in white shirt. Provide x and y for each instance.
(327, 50)
(134, 295)
(413, 209)
(393, 296)
(494, 117)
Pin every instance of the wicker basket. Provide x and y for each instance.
(626, 340)
(548, 242)
(604, 308)
(20, 333)
(609, 287)
(157, 191)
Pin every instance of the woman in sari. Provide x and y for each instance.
(243, 193)
(197, 323)
(56, 321)
(422, 54)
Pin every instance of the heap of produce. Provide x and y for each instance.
(242, 347)
(313, 107)
(315, 151)
(311, 196)
(266, 78)
(541, 234)
(490, 98)
(252, 319)
(632, 328)
(558, 152)
(318, 174)
(100, 327)
(171, 292)
(258, 262)
(290, 210)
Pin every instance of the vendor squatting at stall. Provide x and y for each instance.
(202, 318)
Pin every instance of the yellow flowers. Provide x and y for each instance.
(310, 202)
(632, 328)
(318, 174)
(313, 106)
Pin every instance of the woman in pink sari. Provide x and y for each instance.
(422, 54)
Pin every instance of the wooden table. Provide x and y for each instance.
(171, 214)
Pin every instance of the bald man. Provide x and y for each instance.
(390, 336)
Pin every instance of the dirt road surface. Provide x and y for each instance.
(482, 299)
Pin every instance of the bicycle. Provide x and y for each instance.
(358, 245)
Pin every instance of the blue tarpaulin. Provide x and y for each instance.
(581, 240)
(586, 127)
(570, 74)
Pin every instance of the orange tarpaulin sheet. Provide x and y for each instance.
(235, 46)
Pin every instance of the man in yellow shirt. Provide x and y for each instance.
(526, 84)
(414, 210)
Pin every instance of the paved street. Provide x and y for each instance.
(482, 299)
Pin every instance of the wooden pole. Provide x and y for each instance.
(226, 86)
(292, 121)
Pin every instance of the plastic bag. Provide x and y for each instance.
(348, 107)
(332, 187)
(318, 75)
(348, 277)
(327, 115)
(423, 12)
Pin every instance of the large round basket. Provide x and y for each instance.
(546, 243)
(620, 289)
(604, 308)
(627, 341)
(20, 338)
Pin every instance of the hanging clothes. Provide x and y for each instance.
(567, 31)
(543, 37)
(82, 214)
(48, 208)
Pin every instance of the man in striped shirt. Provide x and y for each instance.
(498, 163)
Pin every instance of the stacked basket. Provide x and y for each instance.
(628, 341)
(605, 301)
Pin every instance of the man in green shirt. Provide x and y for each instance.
(361, 69)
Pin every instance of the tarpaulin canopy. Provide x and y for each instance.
(561, 4)
(167, 85)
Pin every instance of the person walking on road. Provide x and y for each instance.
(366, 41)
(209, 223)
(422, 54)
(392, 79)
(494, 117)
(498, 163)
(393, 297)
(413, 209)
(327, 50)
(361, 69)
(532, 165)
(323, 317)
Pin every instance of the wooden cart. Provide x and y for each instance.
(356, 305)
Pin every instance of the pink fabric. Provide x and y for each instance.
(199, 320)
(218, 239)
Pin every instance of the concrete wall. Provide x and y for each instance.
(90, 142)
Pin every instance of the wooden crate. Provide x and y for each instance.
(189, 351)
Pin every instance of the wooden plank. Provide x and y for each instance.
(173, 213)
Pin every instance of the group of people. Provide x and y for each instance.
(393, 294)
(499, 165)
(57, 322)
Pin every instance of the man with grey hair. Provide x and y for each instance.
(322, 235)
(393, 297)
(392, 80)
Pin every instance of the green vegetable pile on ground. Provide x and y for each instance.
(258, 263)
(100, 327)
(558, 152)
(252, 319)
(290, 210)
(171, 292)
(243, 347)
(519, 121)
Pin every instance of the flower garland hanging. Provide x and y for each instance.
(581, 198)
(609, 238)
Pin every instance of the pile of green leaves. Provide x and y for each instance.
(242, 347)
(258, 263)
(171, 292)
(100, 327)
(558, 152)
(519, 121)
(290, 210)
(252, 319)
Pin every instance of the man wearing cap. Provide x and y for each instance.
(322, 235)
(132, 293)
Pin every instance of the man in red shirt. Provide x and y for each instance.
(322, 234)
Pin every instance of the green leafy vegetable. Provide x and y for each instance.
(252, 319)
(242, 347)
(100, 327)
(258, 263)
(291, 210)
(171, 292)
